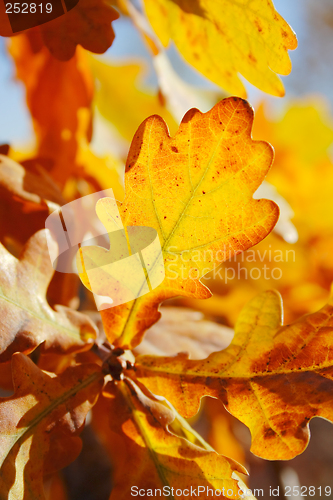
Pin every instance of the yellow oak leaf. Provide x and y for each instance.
(224, 38)
(40, 424)
(273, 378)
(134, 426)
(195, 190)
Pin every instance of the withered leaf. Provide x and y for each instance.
(26, 318)
(40, 424)
(225, 38)
(273, 378)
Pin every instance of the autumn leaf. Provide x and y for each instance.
(87, 24)
(174, 93)
(40, 424)
(273, 378)
(225, 38)
(55, 92)
(195, 189)
(27, 319)
(136, 431)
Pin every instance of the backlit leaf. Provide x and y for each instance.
(274, 379)
(196, 190)
(224, 38)
(303, 174)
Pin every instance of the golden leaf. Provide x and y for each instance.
(195, 189)
(40, 424)
(223, 38)
(274, 379)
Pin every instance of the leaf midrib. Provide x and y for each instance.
(184, 210)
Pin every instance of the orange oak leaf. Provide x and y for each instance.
(55, 92)
(87, 24)
(273, 378)
(195, 189)
(41, 422)
(26, 318)
(134, 427)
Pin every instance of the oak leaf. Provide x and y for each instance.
(87, 24)
(195, 189)
(273, 378)
(27, 319)
(41, 422)
(224, 38)
(135, 430)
